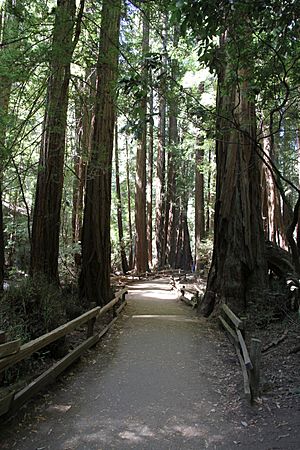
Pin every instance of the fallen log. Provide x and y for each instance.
(280, 262)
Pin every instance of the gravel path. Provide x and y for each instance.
(163, 378)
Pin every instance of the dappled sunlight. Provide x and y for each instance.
(188, 431)
(153, 295)
(137, 434)
(145, 285)
(59, 408)
(177, 318)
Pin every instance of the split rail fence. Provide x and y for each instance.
(234, 326)
(191, 295)
(12, 352)
(249, 360)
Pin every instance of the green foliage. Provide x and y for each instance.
(31, 308)
(205, 252)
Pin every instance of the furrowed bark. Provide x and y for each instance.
(94, 280)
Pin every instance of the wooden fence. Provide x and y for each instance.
(249, 361)
(191, 295)
(12, 352)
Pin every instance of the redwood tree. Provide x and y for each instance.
(94, 280)
(199, 202)
(119, 206)
(150, 179)
(141, 253)
(83, 104)
(161, 159)
(46, 217)
(172, 210)
(238, 264)
(9, 27)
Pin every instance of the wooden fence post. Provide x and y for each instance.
(91, 323)
(2, 341)
(255, 356)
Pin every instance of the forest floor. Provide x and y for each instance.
(163, 378)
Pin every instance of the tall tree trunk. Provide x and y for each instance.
(141, 253)
(7, 32)
(199, 203)
(238, 264)
(161, 162)
(94, 281)
(208, 224)
(160, 186)
(273, 225)
(131, 251)
(298, 159)
(83, 117)
(46, 217)
(171, 219)
(78, 194)
(2, 255)
(184, 258)
(150, 180)
(171, 210)
(119, 206)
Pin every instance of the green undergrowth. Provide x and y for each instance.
(276, 305)
(31, 308)
(205, 252)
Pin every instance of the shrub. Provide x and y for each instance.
(31, 308)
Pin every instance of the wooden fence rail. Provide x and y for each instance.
(250, 364)
(190, 295)
(13, 400)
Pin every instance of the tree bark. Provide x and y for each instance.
(171, 217)
(273, 220)
(2, 255)
(94, 280)
(161, 163)
(141, 254)
(7, 31)
(184, 258)
(199, 203)
(171, 210)
(298, 161)
(238, 263)
(119, 206)
(209, 199)
(150, 180)
(131, 250)
(46, 217)
(83, 116)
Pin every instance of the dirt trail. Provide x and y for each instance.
(163, 378)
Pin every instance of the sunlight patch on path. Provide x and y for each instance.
(178, 318)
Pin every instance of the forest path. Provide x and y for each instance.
(163, 378)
